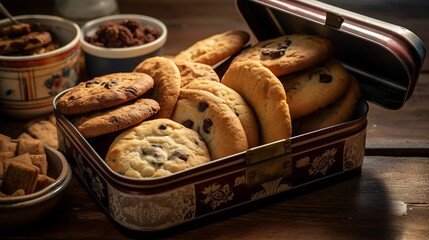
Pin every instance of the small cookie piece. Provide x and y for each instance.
(20, 175)
(40, 161)
(43, 181)
(104, 92)
(192, 71)
(287, 54)
(215, 48)
(265, 94)
(166, 76)
(213, 120)
(114, 119)
(335, 113)
(31, 146)
(234, 100)
(315, 88)
(25, 42)
(44, 130)
(156, 148)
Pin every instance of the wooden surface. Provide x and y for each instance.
(387, 200)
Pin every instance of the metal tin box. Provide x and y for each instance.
(386, 59)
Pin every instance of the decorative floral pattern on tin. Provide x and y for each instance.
(354, 151)
(217, 194)
(60, 81)
(271, 188)
(97, 187)
(321, 164)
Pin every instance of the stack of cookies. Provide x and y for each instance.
(174, 113)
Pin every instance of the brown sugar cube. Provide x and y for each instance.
(31, 146)
(46, 131)
(25, 158)
(7, 145)
(20, 175)
(40, 161)
(43, 181)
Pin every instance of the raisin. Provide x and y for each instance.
(188, 123)
(179, 155)
(162, 127)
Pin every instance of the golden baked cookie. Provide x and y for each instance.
(104, 92)
(117, 118)
(234, 100)
(166, 76)
(192, 71)
(213, 120)
(315, 88)
(156, 148)
(288, 53)
(215, 48)
(338, 112)
(265, 94)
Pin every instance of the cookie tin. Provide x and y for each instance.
(148, 205)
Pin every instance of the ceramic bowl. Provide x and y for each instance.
(28, 84)
(18, 211)
(103, 60)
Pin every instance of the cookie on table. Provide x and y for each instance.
(264, 92)
(192, 71)
(104, 92)
(338, 112)
(213, 120)
(315, 88)
(166, 76)
(117, 118)
(156, 148)
(215, 48)
(289, 53)
(234, 100)
(44, 130)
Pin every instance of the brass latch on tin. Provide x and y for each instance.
(333, 20)
(268, 162)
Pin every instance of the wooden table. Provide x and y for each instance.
(387, 200)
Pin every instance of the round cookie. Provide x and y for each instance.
(288, 53)
(215, 48)
(193, 71)
(213, 120)
(104, 92)
(117, 118)
(315, 88)
(166, 78)
(156, 148)
(234, 100)
(338, 112)
(265, 94)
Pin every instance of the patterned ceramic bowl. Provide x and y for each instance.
(104, 60)
(29, 83)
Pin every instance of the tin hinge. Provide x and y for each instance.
(333, 20)
(268, 162)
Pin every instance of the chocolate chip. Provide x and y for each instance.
(207, 125)
(132, 90)
(179, 155)
(202, 106)
(273, 53)
(162, 127)
(188, 123)
(157, 155)
(325, 78)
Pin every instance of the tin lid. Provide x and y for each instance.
(385, 58)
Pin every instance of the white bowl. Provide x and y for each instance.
(18, 211)
(28, 84)
(101, 60)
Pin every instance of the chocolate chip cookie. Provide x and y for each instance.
(104, 92)
(234, 100)
(215, 48)
(192, 71)
(265, 94)
(156, 148)
(213, 120)
(315, 88)
(288, 53)
(338, 112)
(166, 76)
(116, 118)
